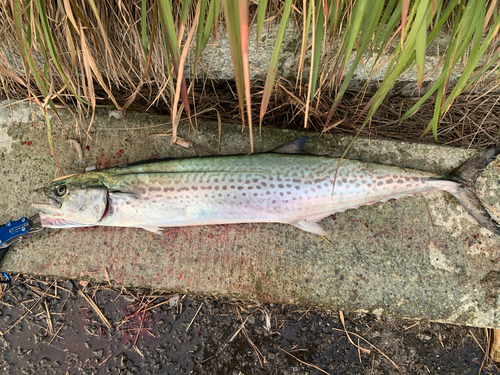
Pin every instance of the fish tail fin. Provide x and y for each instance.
(466, 175)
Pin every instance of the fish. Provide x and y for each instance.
(284, 185)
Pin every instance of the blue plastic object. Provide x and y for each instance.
(12, 231)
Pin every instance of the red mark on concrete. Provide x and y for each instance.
(87, 148)
(120, 152)
(29, 143)
(179, 277)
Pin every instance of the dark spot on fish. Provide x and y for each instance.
(140, 190)
(407, 178)
(224, 187)
(312, 190)
(206, 195)
(227, 195)
(216, 188)
(216, 180)
(255, 180)
(389, 181)
(415, 178)
(250, 188)
(233, 187)
(247, 181)
(297, 187)
(159, 195)
(263, 184)
(369, 185)
(128, 202)
(285, 201)
(169, 189)
(281, 186)
(308, 182)
(146, 198)
(380, 183)
(287, 180)
(363, 181)
(154, 201)
(296, 180)
(273, 202)
(272, 186)
(220, 195)
(240, 188)
(279, 179)
(258, 187)
(155, 189)
(289, 192)
(268, 192)
(344, 180)
(244, 194)
(281, 193)
(183, 189)
(270, 179)
(352, 181)
(194, 188)
(234, 196)
(379, 177)
(400, 181)
(325, 184)
(356, 186)
(338, 184)
(231, 180)
(319, 187)
(288, 185)
(255, 194)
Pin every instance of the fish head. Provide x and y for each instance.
(73, 201)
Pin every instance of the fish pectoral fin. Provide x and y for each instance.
(122, 196)
(309, 226)
(156, 230)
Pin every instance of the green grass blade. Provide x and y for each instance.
(185, 10)
(318, 42)
(233, 31)
(170, 40)
(271, 73)
(420, 47)
(144, 30)
(261, 14)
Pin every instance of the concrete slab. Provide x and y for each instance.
(418, 257)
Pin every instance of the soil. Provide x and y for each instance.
(49, 327)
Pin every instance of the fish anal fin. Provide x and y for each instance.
(153, 229)
(292, 147)
(309, 226)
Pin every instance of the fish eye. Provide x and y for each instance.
(61, 190)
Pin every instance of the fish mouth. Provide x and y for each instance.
(48, 207)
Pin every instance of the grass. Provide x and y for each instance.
(90, 54)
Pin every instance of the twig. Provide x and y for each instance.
(305, 363)
(192, 320)
(96, 309)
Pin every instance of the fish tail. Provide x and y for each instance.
(466, 175)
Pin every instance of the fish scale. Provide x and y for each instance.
(283, 188)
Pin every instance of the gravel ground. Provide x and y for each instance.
(50, 327)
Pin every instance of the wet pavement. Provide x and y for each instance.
(49, 327)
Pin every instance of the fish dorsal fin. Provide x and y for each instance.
(292, 147)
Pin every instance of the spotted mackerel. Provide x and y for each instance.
(282, 186)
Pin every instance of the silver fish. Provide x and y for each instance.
(282, 186)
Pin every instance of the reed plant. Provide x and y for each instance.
(92, 53)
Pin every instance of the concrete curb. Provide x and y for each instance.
(418, 257)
